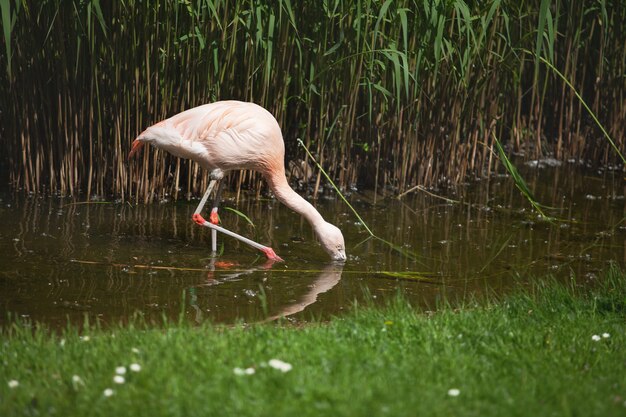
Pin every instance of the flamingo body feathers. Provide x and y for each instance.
(225, 135)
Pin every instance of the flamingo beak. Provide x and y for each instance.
(136, 149)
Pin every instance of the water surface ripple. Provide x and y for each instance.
(62, 260)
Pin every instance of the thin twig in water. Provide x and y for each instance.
(420, 188)
(405, 276)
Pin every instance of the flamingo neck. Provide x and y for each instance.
(286, 195)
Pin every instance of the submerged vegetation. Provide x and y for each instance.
(547, 350)
(385, 93)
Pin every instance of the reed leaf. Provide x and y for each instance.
(517, 178)
(240, 214)
(544, 11)
(7, 28)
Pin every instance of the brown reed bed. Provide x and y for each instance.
(386, 94)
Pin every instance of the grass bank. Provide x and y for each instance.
(533, 353)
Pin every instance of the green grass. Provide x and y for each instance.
(531, 353)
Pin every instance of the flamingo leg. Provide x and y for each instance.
(214, 218)
(269, 252)
(204, 199)
(197, 217)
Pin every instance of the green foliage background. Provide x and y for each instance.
(393, 93)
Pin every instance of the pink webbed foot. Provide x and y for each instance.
(271, 255)
(198, 219)
(214, 217)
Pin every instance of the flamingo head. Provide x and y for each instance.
(331, 239)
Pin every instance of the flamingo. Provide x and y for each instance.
(231, 135)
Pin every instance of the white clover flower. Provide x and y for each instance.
(606, 335)
(135, 350)
(280, 365)
(120, 370)
(108, 392)
(595, 337)
(85, 338)
(135, 367)
(14, 383)
(241, 371)
(119, 379)
(77, 380)
(454, 392)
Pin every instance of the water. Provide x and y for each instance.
(62, 260)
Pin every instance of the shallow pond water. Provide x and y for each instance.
(62, 260)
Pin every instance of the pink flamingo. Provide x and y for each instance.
(229, 135)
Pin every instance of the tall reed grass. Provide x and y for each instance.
(386, 93)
